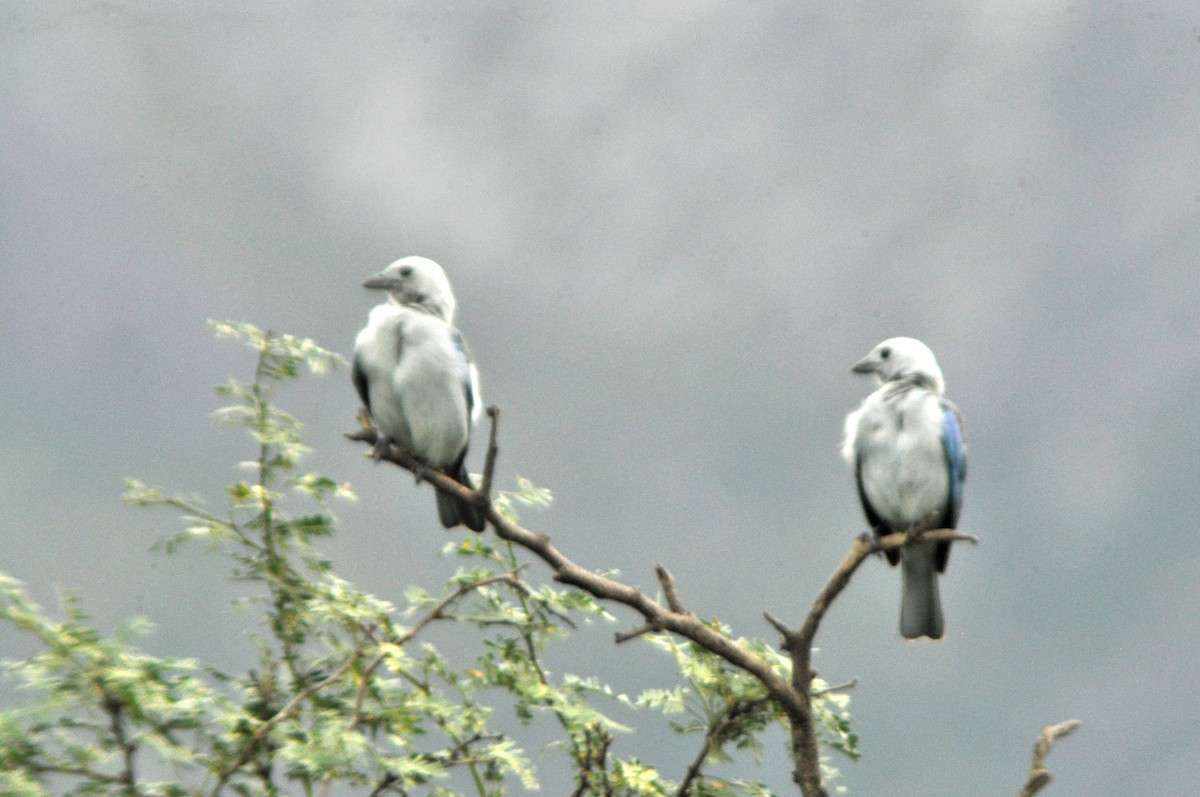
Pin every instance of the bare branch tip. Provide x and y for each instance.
(853, 682)
(489, 465)
(670, 590)
(1063, 728)
(648, 628)
(780, 626)
(1039, 776)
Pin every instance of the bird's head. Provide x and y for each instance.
(417, 282)
(903, 358)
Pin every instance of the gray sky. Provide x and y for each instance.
(671, 229)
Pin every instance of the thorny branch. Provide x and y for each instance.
(794, 697)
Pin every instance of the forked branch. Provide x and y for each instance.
(794, 696)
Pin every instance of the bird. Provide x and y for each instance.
(909, 456)
(415, 377)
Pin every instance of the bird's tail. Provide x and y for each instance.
(454, 511)
(920, 603)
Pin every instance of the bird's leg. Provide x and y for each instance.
(380, 449)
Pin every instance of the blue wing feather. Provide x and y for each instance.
(956, 468)
(956, 461)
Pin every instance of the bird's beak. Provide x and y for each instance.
(867, 365)
(379, 282)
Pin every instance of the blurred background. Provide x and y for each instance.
(672, 228)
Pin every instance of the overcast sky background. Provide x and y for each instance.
(672, 228)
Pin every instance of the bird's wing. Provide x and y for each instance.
(954, 445)
(955, 449)
(468, 375)
(360, 381)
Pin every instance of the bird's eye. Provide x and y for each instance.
(884, 353)
(406, 271)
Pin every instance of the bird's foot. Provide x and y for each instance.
(917, 530)
(382, 443)
(872, 540)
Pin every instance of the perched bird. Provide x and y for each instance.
(413, 373)
(905, 444)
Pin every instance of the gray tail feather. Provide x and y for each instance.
(920, 603)
(453, 511)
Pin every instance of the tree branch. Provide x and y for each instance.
(284, 713)
(438, 612)
(115, 710)
(670, 592)
(676, 621)
(799, 643)
(794, 697)
(641, 630)
(489, 464)
(1039, 776)
(712, 738)
(853, 682)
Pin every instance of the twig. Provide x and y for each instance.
(78, 772)
(438, 612)
(489, 464)
(670, 591)
(384, 784)
(799, 644)
(712, 738)
(599, 586)
(596, 743)
(795, 703)
(853, 682)
(1039, 776)
(115, 711)
(793, 697)
(863, 547)
(461, 751)
(284, 713)
(641, 630)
